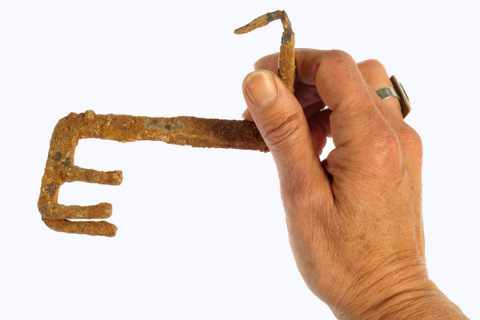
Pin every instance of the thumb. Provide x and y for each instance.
(281, 121)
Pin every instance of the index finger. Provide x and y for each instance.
(342, 88)
(306, 94)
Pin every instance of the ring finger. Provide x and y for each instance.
(377, 78)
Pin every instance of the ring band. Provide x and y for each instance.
(397, 91)
(387, 93)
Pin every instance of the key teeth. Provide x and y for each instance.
(56, 216)
(92, 228)
(75, 173)
(58, 211)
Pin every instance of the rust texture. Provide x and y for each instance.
(60, 168)
(286, 59)
(191, 131)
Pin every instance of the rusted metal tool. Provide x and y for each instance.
(195, 132)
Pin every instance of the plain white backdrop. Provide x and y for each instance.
(202, 232)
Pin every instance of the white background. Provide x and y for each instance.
(201, 232)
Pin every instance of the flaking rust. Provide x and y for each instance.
(195, 132)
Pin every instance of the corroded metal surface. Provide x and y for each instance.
(195, 132)
(60, 168)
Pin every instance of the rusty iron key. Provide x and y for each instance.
(183, 130)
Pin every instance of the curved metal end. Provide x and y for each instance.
(286, 59)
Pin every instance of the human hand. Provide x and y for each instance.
(354, 220)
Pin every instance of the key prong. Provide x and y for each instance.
(92, 228)
(74, 173)
(59, 211)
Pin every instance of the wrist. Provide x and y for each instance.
(423, 301)
(397, 290)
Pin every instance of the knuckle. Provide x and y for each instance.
(338, 56)
(384, 163)
(386, 149)
(279, 132)
(413, 142)
(372, 66)
(413, 138)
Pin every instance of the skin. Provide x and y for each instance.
(354, 219)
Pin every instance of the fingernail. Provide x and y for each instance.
(244, 115)
(261, 89)
(247, 115)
